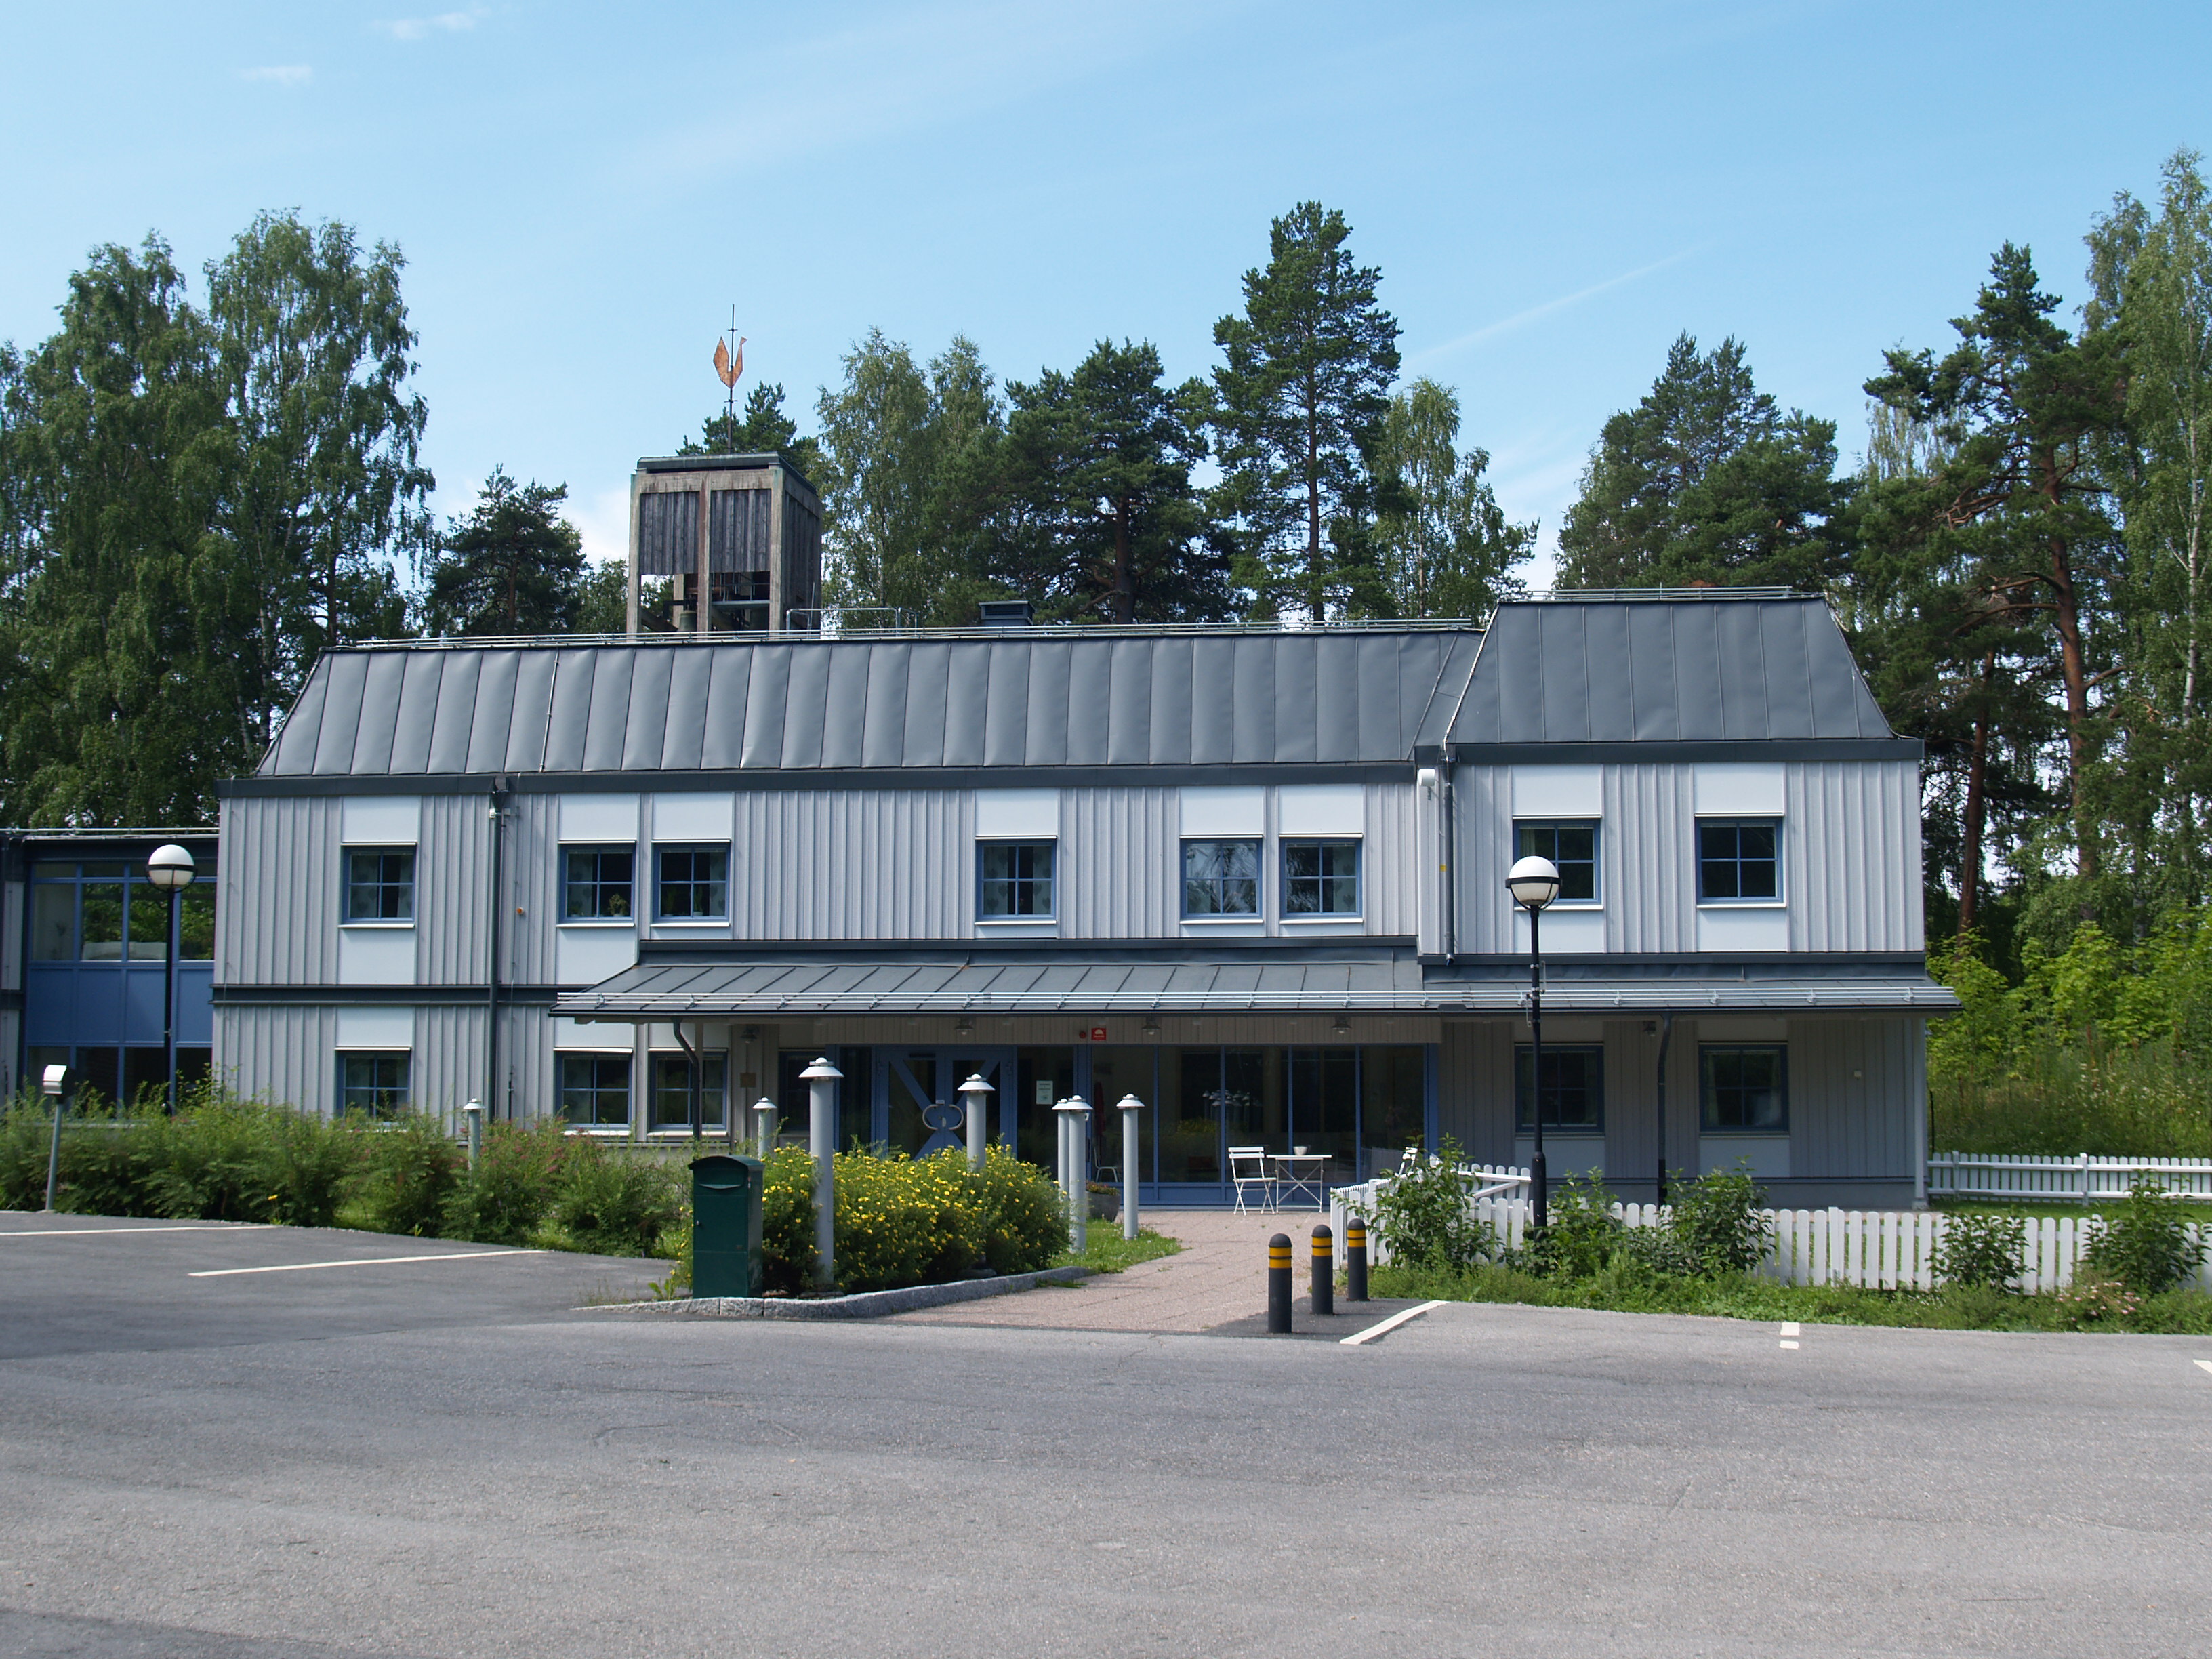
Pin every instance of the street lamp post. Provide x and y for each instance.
(975, 1111)
(821, 1079)
(170, 869)
(1534, 883)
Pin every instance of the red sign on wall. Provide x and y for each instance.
(1097, 1034)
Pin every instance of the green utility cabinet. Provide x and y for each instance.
(725, 1226)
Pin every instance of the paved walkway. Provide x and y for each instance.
(1220, 1276)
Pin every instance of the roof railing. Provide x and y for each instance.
(1035, 633)
(1618, 595)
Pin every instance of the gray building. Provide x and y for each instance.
(1254, 877)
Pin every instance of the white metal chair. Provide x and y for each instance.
(1248, 1167)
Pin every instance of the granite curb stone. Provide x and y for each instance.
(865, 1304)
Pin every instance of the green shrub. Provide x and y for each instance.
(2149, 1245)
(787, 1220)
(505, 1198)
(1980, 1250)
(1718, 1222)
(1424, 1216)
(412, 1169)
(614, 1203)
(1582, 1234)
(905, 1221)
(1023, 1224)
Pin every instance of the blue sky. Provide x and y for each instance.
(1552, 192)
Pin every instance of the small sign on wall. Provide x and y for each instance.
(1044, 1092)
(1096, 1034)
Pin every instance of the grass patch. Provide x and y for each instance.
(1109, 1253)
(1622, 1287)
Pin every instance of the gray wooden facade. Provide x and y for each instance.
(852, 780)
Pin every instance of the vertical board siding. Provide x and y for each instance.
(276, 902)
(284, 1056)
(1850, 852)
(452, 900)
(849, 864)
(1390, 862)
(1118, 863)
(1847, 1127)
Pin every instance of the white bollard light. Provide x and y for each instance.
(763, 1128)
(822, 1078)
(473, 1114)
(975, 1106)
(1131, 1106)
(1075, 1115)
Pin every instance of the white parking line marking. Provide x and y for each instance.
(1387, 1326)
(95, 1232)
(1788, 1343)
(1789, 1329)
(357, 1262)
(2206, 1363)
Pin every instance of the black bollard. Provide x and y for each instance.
(1324, 1270)
(1278, 1285)
(1355, 1260)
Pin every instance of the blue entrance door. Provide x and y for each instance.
(918, 1105)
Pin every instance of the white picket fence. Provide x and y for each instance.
(2082, 1180)
(1884, 1249)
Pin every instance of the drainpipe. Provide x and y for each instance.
(493, 1094)
(691, 1057)
(1666, 1032)
(1451, 879)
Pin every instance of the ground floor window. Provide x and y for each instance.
(1743, 1088)
(1573, 1089)
(375, 1085)
(672, 1090)
(595, 1090)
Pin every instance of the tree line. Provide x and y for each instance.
(198, 497)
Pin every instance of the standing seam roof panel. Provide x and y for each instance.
(1046, 716)
(608, 721)
(722, 740)
(646, 731)
(1336, 699)
(534, 677)
(967, 703)
(1788, 653)
(1382, 715)
(1297, 713)
(1654, 687)
(1129, 731)
(1006, 707)
(929, 677)
(1091, 710)
(1211, 712)
(294, 751)
(1744, 712)
(1563, 663)
(883, 731)
(1252, 736)
(1696, 675)
(418, 713)
(806, 706)
(845, 707)
(1608, 687)
(458, 681)
(380, 714)
(683, 733)
(570, 714)
(341, 714)
(765, 699)
(495, 712)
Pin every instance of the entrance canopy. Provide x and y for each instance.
(739, 987)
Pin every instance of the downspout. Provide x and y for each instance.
(1666, 1032)
(691, 1057)
(492, 1091)
(1451, 879)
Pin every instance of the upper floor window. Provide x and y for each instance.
(1573, 1091)
(595, 1090)
(1736, 858)
(380, 883)
(1014, 878)
(694, 883)
(1221, 878)
(1571, 845)
(374, 1084)
(105, 911)
(1743, 1088)
(1321, 878)
(596, 883)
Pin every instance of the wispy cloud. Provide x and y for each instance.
(1522, 318)
(281, 74)
(421, 28)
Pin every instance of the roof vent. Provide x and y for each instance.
(1007, 613)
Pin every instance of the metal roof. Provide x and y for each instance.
(1560, 671)
(1604, 670)
(685, 990)
(1233, 698)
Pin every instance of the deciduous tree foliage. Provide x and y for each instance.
(1446, 547)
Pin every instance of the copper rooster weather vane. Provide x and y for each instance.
(729, 363)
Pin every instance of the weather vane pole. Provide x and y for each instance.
(729, 363)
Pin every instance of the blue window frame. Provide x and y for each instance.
(374, 1085)
(1738, 861)
(693, 883)
(1574, 1089)
(672, 1090)
(380, 883)
(1571, 845)
(1014, 879)
(1321, 878)
(597, 883)
(1221, 878)
(595, 1090)
(1743, 1088)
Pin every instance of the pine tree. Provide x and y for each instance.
(512, 565)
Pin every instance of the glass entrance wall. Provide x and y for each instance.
(1357, 1105)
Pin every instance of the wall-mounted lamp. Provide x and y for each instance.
(1151, 1027)
(1342, 1027)
(963, 1027)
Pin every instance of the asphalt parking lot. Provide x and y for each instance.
(439, 1458)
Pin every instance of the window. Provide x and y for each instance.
(695, 883)
(1015, 877)
(108, 912)
(672, 1090)
(1743, 1089)
(1321, 878)
(1221, 878)
(595, 1090)
(1572, 845)
(380, 883)
(595, 883)
(375, 1084)
(1735, 859)
(1574, 1089)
